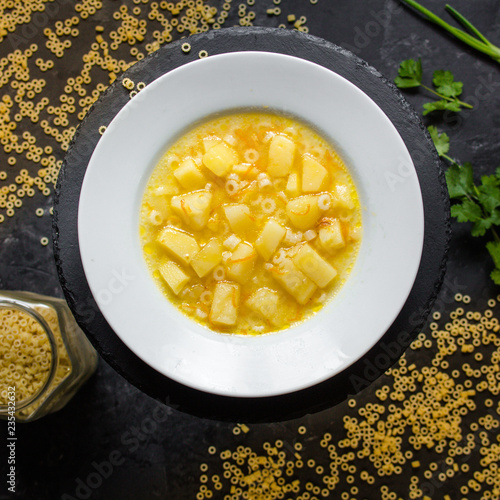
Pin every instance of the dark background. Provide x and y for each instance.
(103, 422)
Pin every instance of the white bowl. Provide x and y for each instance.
(347, 327)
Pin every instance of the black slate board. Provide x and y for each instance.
(396, 339)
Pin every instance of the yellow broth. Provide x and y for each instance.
(250, 223)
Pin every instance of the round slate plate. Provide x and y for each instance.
(396, 339)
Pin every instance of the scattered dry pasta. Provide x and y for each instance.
(37, 123)
(428, 428)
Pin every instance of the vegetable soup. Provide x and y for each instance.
(250, 223)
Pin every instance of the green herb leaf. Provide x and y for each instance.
(490, 180)
(441, 106)
(441, 140)
(495, 276)
(494, 248)
(460, 180)
(445, 84)
(479, 205)
(481, 226)
(489, 193)
(467, 211)
(410, 74)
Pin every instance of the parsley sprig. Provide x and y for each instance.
(478, 41)
(410, 75)
(479, 204)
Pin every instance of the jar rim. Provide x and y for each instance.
(28, 308)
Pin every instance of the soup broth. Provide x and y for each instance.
(250, 223)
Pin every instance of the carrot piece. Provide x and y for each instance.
(275, 270)
(251, 256)
(185, 209)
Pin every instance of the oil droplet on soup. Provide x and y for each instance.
(250, 223)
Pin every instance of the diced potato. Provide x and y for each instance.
(192, 292)
(342, 197)
(242, 168)
(303, 211)
(190, 176)
(355, 232)
(167, 187)
(314, 175)
(207, 258)
(281, 156)
(230, 139)
(269, 239)
(265, 302)
(240, 265)
(210, 141)
(314, 266)
(238, 215)
(214, 222)
(180, 244)
(175, 277)
(294, 281)
(292, 185)
(220, 159)
(224, 310)
(193, 208)
(330, 236)
(246, 170)
(160, 204)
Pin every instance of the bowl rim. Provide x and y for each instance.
(86, 217)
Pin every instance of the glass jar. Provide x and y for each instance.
(44, 356)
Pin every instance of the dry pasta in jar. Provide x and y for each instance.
(44, 355)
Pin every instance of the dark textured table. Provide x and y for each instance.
(112, 440)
